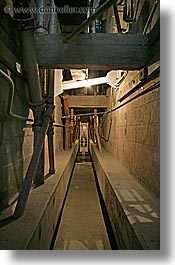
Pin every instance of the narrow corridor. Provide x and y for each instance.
(82, 226)
(80, 125)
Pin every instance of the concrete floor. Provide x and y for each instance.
(82, 226)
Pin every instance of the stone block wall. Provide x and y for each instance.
(15, 139)
(131, 133)
(16, 136)
(134, 137)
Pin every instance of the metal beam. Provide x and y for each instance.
(97, 51)
(87, 101)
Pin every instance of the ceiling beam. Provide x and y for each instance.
(88, 101)
(96, 51)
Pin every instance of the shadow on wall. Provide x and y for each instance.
(11, 140)
(143, 214)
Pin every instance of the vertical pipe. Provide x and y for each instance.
(67, 129)
(96, 131)
(50, 133)
(54, 25)
(90, 127)
(117, 19)
(50, 91)
(95, 124)
(72, 127)
(76, 128)
(35, 92)
(32, 169)
(31, 67)
(41, 26)
(75, 125)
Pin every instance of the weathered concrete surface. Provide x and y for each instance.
(34, 230)
(13, 137)
(87, 101)
(82, 226)
(115, 51)
(134, 137)
(133, 212)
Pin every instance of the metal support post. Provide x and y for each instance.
(72, 127)
(50, 133)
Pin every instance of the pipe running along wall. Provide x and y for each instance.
(41, 121)
(35, 92)
(50, 133)
(32, 169)
(11, 97)
(50, 92)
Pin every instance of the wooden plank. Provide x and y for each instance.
(102, 51)
(87, 101)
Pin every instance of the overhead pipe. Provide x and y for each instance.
(89, 20)
(11, 97)
(72, 127)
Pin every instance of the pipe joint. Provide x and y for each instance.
(38, 113)
(50, 130)
(34, 105)
(49, 111)
(36, 128)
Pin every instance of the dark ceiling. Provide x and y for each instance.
(71, 19)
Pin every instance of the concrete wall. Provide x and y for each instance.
(15, 140)
(134, 134)
(133, 212)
